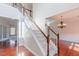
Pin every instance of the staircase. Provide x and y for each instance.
(40, 39)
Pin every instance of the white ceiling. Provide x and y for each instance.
(71, 18)
(74, 13)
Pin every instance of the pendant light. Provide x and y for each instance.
(61, 24)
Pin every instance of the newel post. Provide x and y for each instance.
(58, 44)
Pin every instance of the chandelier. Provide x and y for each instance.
(61, 24)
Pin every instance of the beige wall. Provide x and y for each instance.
(44, 10)
(72, 26)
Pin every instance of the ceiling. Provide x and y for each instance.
(74, 13)
(71, 18)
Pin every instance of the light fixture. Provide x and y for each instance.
(61, 24)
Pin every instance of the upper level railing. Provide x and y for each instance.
(21, 8)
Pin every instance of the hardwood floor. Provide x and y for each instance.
(8, 52)
(24, 52)
(6, 49)
(66, 49)
(69, 48)
(11, 51)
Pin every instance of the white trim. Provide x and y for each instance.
(17, 38)
(31, 51)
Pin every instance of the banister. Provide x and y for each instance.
(22, 7)
(40, 30)
(58, 44)
(26, 9)
(52, 31)
(57, 35)
(47, 37)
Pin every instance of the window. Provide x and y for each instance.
(0, 31)
(3, 32)
(12, 31)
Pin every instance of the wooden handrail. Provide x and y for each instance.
(52, 30)
(25, 8)
(40, 30)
